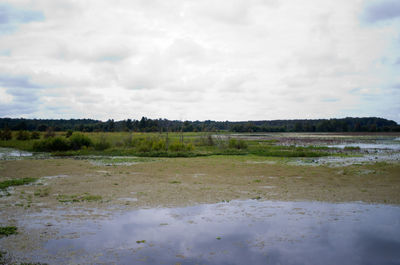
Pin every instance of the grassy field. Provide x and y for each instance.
(161, 145)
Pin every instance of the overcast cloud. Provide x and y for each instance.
(197, 60)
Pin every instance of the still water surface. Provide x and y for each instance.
(238, 232)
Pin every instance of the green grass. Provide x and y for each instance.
(193, 145)
(288, 153)
(8, 230)
(91, 198)
(15, 182)
(21, 145)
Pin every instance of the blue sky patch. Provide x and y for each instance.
(16, 82)
(11, 17)
(382, 11)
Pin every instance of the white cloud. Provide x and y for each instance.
(188, 59)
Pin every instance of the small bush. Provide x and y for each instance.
(69, 133)
(58, 144)
(158, 145)
(149, 144)
(52, 144)
(35, 135)
(182, 147)
(23, 136)
(176, 146)
(5, 134)
(78, 140)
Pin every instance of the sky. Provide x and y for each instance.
(231, 60)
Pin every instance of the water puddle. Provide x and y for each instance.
(238, 232)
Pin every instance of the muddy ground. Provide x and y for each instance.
(187, 181)
(90, 188)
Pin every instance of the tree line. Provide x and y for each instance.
(368, 124)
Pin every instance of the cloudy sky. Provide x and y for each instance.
(197, 60)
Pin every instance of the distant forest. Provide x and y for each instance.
(370, 124)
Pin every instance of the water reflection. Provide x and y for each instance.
(239, 232)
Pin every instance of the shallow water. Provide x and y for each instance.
(393, 146)
(8, 153)
(238, 232)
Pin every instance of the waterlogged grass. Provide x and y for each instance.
(8, 230)
(15, 182)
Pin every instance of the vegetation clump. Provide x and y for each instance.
(352, 148)
(8, 230)
(5, 134)
(77, 141)
(23, 135)
(15, 182)
(52, 144)
(35, 135)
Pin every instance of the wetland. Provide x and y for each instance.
(219, 207)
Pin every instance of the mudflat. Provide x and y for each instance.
(170, 182)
